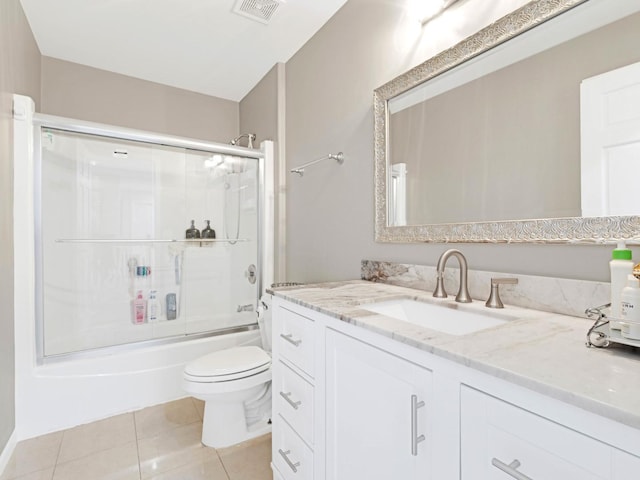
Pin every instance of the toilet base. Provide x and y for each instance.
(224, 425)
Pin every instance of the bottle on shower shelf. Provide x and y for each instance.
(208, 232)
(153, 306)
(139, 309)
(192, 231)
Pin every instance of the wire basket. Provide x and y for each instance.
(601, 334)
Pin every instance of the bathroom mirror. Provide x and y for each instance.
(481, 143)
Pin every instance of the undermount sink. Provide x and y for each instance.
(451, 320)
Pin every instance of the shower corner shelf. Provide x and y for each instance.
(195, 241)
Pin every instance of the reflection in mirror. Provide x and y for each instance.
(498, 137)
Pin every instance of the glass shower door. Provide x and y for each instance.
(219, 289)
(116, 267)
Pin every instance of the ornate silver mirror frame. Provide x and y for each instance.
(555, 230)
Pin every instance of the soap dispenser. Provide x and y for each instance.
(621, 267)
(192, 231)
(208, 232)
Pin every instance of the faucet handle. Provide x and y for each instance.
(494, 299)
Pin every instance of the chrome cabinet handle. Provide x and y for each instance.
(289, 338)
(293, 466)
(415, 439)
(287, 396)
(510, 469)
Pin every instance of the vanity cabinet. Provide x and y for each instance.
(293, 386)
(377, 413)
(352, 404)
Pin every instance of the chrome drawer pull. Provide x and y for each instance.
(287, 396)
(510, 469)
(289, 338)
(293, 466)
(415, 439)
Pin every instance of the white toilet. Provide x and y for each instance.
(235, 385)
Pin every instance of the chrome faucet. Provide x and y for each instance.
(463, 292)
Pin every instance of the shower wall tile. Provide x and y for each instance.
(556, 295)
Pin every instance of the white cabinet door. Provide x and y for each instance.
(378, 415)
(625, 466)
(500, 441)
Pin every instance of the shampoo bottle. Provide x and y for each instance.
(621, 267)
(139, 308)
(153, 306)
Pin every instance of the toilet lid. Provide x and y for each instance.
(228, 362)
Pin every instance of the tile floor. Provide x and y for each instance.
(157, 443)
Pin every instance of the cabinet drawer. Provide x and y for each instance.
(292, 458)
(295, 340)
(501, 441)
(293, 400)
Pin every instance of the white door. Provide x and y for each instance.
(610, 142)
(377, 427)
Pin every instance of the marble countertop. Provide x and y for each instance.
(542, 351)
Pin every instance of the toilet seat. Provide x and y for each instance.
(225, 365)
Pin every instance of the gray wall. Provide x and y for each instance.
(19, 73)
(329, 109)
(86, 93)
(259, 114)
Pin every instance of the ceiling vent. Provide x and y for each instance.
(259, 10)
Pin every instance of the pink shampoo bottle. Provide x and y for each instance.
(139, 308)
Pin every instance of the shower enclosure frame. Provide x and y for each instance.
(265, 221)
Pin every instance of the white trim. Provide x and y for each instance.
(280, 260)
(7, 451)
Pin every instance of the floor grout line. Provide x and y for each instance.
(223, 465)
(135, 432)
(55, 464)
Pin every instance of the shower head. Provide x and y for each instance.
(250, 139)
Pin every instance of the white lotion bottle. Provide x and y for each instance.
(153, 306)
(630, 301)
(621, 267)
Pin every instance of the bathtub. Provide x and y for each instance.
(64, 394)
(61, 394)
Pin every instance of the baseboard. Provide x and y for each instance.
(5, 456)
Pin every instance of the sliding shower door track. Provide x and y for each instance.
(140, 345)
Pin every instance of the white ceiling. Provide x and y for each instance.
(198, 45)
